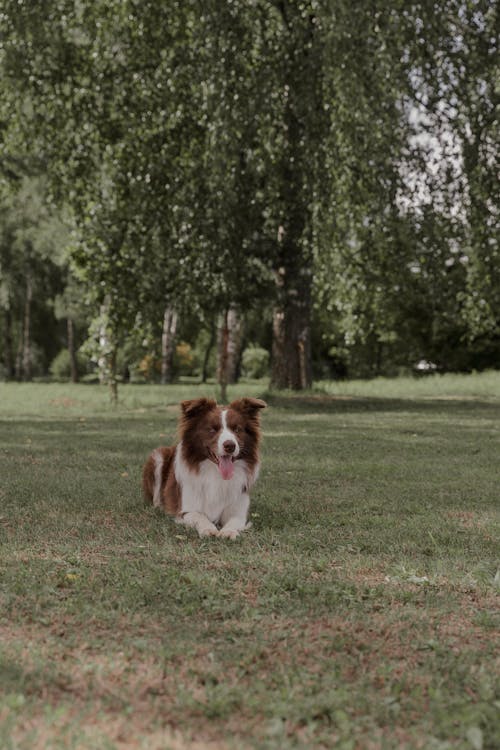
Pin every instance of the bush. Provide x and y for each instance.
(60, 368)
(185, 359)
(255, 362)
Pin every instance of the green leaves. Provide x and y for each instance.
(187, 140)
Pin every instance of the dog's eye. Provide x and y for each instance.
(212, 430)
(237, 430)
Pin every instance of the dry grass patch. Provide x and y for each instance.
(113, 694)
(93, 729)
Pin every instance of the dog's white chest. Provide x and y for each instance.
(206, 491)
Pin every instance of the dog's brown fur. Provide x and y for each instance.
(199, 425)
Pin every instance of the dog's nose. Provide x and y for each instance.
(229, 446)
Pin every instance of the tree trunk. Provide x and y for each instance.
(8, 358)
(19, 358)
(102, 361)
(378, 360)
(27, 369)
(299, 170)
(108, 348)
(222, 350)
(230, 338)
(112, 377)
(168, 344)
(236, 330)
(291, 347)
(211, 342)
(71, 350)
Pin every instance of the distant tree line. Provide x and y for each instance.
(312, 178)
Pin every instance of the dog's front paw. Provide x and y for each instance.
(208, 531)
(229, 533)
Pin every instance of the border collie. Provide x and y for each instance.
(205, 479)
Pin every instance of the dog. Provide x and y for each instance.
(205, 480)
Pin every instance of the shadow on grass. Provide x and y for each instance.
(12, 677)
(18, 682)
(349, 404)
(68, 435)
(138, 435)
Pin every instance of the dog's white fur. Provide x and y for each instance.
(226, 435)
(207, 494)
(210, 504)
(209, 501)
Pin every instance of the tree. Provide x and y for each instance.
(207, 153)
(399, 275)
(168, 344)
(456, 88)
(32, 241)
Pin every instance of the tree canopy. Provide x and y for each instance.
(328, 165)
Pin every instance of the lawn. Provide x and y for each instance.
(360, 611)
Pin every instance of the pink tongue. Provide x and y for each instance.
(226, 467)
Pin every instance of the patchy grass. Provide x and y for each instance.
(361, 610)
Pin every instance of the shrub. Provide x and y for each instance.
(184, 359)
(255, 362)
(60, 368)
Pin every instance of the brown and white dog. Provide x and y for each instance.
(205, 479)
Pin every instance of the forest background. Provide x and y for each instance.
(304, 189)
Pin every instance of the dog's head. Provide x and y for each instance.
(222, 434)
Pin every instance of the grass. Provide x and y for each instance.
(361, 611)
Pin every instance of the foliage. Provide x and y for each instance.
(255, 362)
(32, 258)
(253, 155)
(456, 119)
(184, 360)
(60, 367)
(395, 282)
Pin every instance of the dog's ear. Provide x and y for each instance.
(249, 406)
(197, 406)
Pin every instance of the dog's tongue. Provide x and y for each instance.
(226, 467)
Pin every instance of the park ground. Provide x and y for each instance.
(359, 612)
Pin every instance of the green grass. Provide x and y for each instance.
(485, 385)
(361, 610)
